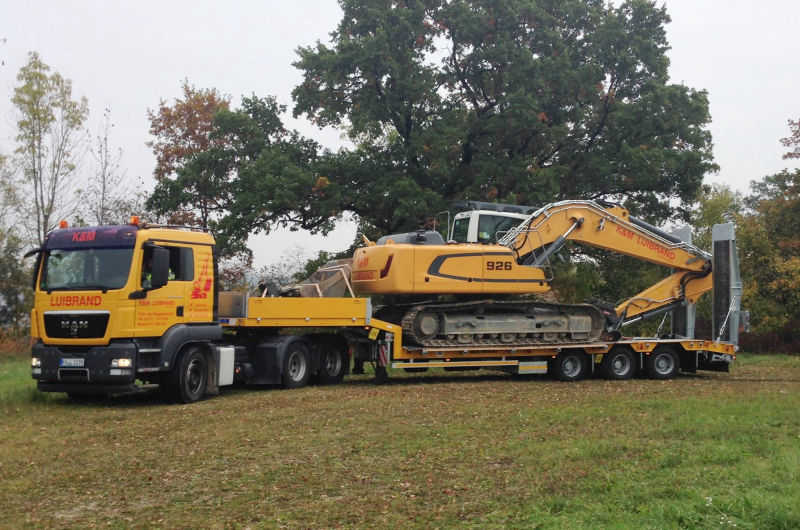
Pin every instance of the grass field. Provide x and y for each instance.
(433, 450)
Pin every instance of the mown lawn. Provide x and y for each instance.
(433, 450)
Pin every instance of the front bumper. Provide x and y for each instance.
(85, 371)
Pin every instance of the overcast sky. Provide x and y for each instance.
(129, 55)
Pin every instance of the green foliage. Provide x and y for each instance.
(16, 295)
(48, 145)
(767, 226)
(518, 101)
(793, 140)
(252, 175)
(770, 251)
(182, 131)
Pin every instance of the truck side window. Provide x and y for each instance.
(181, 264)
(147, 268)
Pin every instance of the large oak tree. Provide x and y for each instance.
(524, 101)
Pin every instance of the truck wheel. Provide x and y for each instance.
(295, 366)
(619, 363)
(416, 369)
(569, 366)
(663, 363)
(332, 364)
(190, 376)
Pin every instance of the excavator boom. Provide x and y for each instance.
(611, 227)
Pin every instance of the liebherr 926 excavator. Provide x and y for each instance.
(418, 270)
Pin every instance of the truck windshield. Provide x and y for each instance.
(86, 269)
(460, 228)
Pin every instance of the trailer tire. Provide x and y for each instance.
(416, 369)
(569, 365)
(189, 377)
(296, 366)
(332, 364)
(662, 363)
(619, 363)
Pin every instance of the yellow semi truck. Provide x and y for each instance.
(116, 306)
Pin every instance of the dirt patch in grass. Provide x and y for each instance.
(435, 450)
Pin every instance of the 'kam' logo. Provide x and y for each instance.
(81, 237)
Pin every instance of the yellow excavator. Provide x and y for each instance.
(448, 293)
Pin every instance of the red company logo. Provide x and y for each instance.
(202, 285)
(94, 300)
(362, 262)
(82, 237)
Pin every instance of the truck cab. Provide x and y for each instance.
(114, 304)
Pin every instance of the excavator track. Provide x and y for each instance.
(501, 323)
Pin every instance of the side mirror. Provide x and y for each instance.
(160, 272)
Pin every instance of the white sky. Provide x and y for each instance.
(129, 55)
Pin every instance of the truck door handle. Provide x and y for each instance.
(179, 311)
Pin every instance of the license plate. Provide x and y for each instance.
(70, 363)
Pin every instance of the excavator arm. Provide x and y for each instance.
(611, 227)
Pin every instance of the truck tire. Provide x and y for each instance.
(416, 369)
(189, 376)
(619, 363)
(296, 366)
(332, 364)
(569, 366)
(663, 363)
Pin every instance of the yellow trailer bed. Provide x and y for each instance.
(294, 312)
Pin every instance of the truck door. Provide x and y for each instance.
(200, 293)
(164, 307)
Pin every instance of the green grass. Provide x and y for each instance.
(432, 450)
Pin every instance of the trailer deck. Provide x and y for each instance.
(356, 313)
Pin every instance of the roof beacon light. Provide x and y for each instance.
(63, 224)
(135, 220)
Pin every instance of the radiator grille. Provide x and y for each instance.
(76, 325)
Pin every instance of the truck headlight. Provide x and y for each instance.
(36, 362)
(121, 363)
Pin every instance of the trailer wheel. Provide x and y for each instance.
(663, 363)
(569, 366)
(332, 364)
(190, 376)
(296, 368)
(416, 369)
(619, 363)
